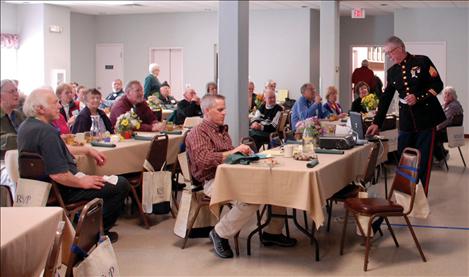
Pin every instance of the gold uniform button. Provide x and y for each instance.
(405, 77)
(407, 88)
(403, 71)
(405, 84)
(407, 93)
(403, 67)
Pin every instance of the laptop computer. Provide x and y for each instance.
(356, 121)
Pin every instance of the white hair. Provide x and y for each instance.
(36, 99)
(5, 82)
(451, 91)
(152, 67)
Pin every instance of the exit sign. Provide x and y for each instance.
(358, 13)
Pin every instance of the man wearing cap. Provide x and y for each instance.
(165, 97)
(418, 83)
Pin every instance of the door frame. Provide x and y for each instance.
(169, 48)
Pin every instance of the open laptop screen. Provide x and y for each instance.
(357, 124)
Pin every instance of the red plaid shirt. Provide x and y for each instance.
(205, 145)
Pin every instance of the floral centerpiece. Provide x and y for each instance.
(126, 123)
(154, 103)
(312, 124)
(259, 100)
(370, 102)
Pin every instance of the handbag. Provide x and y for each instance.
(421, 206)
(156, 188)
(101, 261)
(31, 193)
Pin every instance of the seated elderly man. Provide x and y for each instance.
(133, 98)
(308, 105)
(10, 117)
(208, 144)
(117, 92)
(188, 107)
(165, 97)
(37, 135)
(454, 117)
(266, 119)
(10, 120)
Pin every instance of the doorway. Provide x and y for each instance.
(170, 61)
(376, 61)
(109, 66)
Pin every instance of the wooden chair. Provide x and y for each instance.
(51, 263)
(405, 182)
(282, 124)
(275, 140)
(31, 166)
(88, 232)
(156, 157)
(202, 200)
(351, 190)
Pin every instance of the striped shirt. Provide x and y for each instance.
(205, 144)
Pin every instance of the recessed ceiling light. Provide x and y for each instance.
(384, 5)
(304, 6)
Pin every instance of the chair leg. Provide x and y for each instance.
(236, 243)
(343, 232)
(329, 215)
(446, 164)
(191, 224)
(391, 231)
(385, 173)
(415, 238)
(140, 208)
(462, 157)
(305, 217)
(368, 245)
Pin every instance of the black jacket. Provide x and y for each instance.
(415, 75)
(83, 121)
(186, 109)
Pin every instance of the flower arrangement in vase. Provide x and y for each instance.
(126, 123)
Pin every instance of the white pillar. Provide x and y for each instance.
(329, 45)
(233, 64)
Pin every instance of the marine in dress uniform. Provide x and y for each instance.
(414, 75)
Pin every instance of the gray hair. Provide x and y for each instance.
(304, 87)
(211, 84)
(365, 63)
(208, 101)
(451, 91)
(36, 99)
(152, 67)
(6, 82)
(268, 90)
(130, 84)
(395, 40)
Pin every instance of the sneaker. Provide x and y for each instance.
(220, 245)
(277, 239)
(113, 236)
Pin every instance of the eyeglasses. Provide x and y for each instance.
(391, 51)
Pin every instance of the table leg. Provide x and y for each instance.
(310, 235)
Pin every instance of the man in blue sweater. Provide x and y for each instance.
(308, 105)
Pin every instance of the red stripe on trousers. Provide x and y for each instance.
(429, 163)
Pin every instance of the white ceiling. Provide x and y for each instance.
(135, 7)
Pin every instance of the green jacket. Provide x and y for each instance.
(8, 131)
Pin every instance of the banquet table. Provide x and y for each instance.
(128, 156)
(27, 234)
(290, 183)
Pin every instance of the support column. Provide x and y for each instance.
(329, 45)
(233, 64)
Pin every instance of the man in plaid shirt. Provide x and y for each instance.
(208, 145)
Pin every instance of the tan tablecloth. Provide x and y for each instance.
(27, 233)
(290, 183)
(128, 156)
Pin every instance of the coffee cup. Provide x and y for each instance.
(288, 151)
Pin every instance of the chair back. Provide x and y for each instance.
(457, 120)
(156, 156)
(372, 163)
(283, 121)
(455, 136)
(51, 263)
(275, 140)
(11, 164)
(249, 141)
(193, 121)
(31, 166)
(6, 199)
(405, 179)
(88, 232)
(184, 165)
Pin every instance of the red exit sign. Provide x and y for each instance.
(358, 13)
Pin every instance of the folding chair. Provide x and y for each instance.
(88, 233)
(51, 263)
(156, 157)
(249, 141)
(31, 166)
(202, 200)
(405, 182)
(456, 139)
(352, 190)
